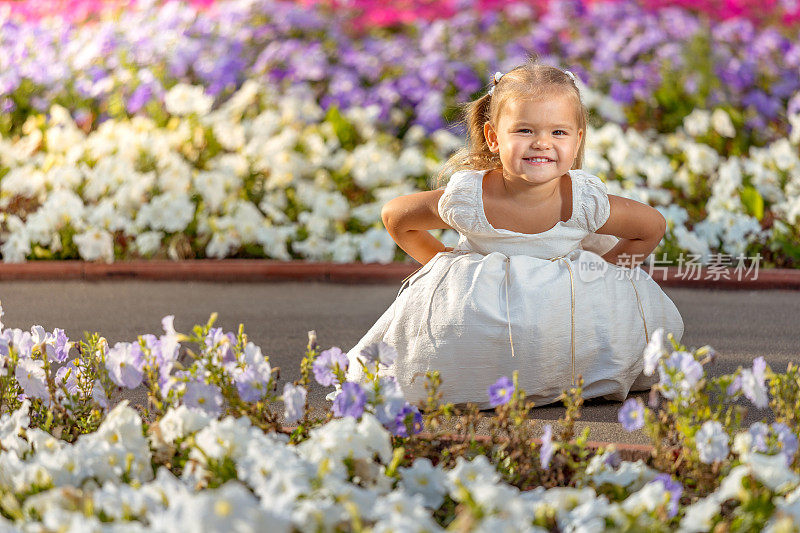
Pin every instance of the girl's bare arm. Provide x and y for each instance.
(639, 227)
(407, 219)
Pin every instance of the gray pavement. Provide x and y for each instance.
(740, 325)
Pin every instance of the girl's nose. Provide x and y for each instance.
(539, 141)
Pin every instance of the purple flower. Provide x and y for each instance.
(408, 417)
(787, 441)
(124, 366)
(252, 380)
(613, 460)
(350, 401)
(392, 401)
(203, 396)
(380, 352)
(675, 490)
(294, 401)
(326, 363)
(99, 394)
(250, 384)
(62, 345)
(735, 385)
(223, 342)
(546, 450)
(759, 432)
(501, 391)
(681, 363)
(139, 98)
(66, 376)
(631, 415)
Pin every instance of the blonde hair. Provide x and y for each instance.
(529, 81)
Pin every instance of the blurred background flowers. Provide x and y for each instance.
(278, 129)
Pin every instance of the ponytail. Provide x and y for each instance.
(476, 153)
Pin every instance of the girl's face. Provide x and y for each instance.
(538, 140)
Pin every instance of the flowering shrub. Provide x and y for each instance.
(209, 450)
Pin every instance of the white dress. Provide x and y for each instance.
(504, 301)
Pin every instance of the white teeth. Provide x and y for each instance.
(538, 159)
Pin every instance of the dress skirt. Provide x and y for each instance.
(476, 317)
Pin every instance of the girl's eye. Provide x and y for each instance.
(524, 130)
(560, 132)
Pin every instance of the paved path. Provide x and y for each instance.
(740, 325)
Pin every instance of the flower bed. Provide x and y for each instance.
(275, 176)
(296, 162)
(210, 451)
(660, 65)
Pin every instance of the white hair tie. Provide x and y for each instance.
(497, 77)
(571, 75)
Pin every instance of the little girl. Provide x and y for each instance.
(541, 280)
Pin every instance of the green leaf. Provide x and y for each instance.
(753, 202)
(345, 131)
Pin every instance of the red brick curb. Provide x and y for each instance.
(252, 270)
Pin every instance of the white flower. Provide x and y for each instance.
(470, 474)
(632, 475)
(722, 124)
(689, 241)
(331, 205)
(647, 499)
(148, 242)
(181, 421)
(446, 142)
(185, 99)
(10, 426)
(373, 165)
(753, 383)
(701, 158)
(95, 244)
(794, 121)
(784, 154)
(228, 437)
(653, 351)
(31, 377)
(790, 504)
(314, 247)
(344, 248)
(377, 246)
(697, 122)
(426, 480)
(16, 246)
(170, 212)
(731, 487)
(712, 442)
(367, 214)
(231, 507)
(771, 470)
(699, 516)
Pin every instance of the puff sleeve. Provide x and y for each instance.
(457, 205)
(594, 207)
